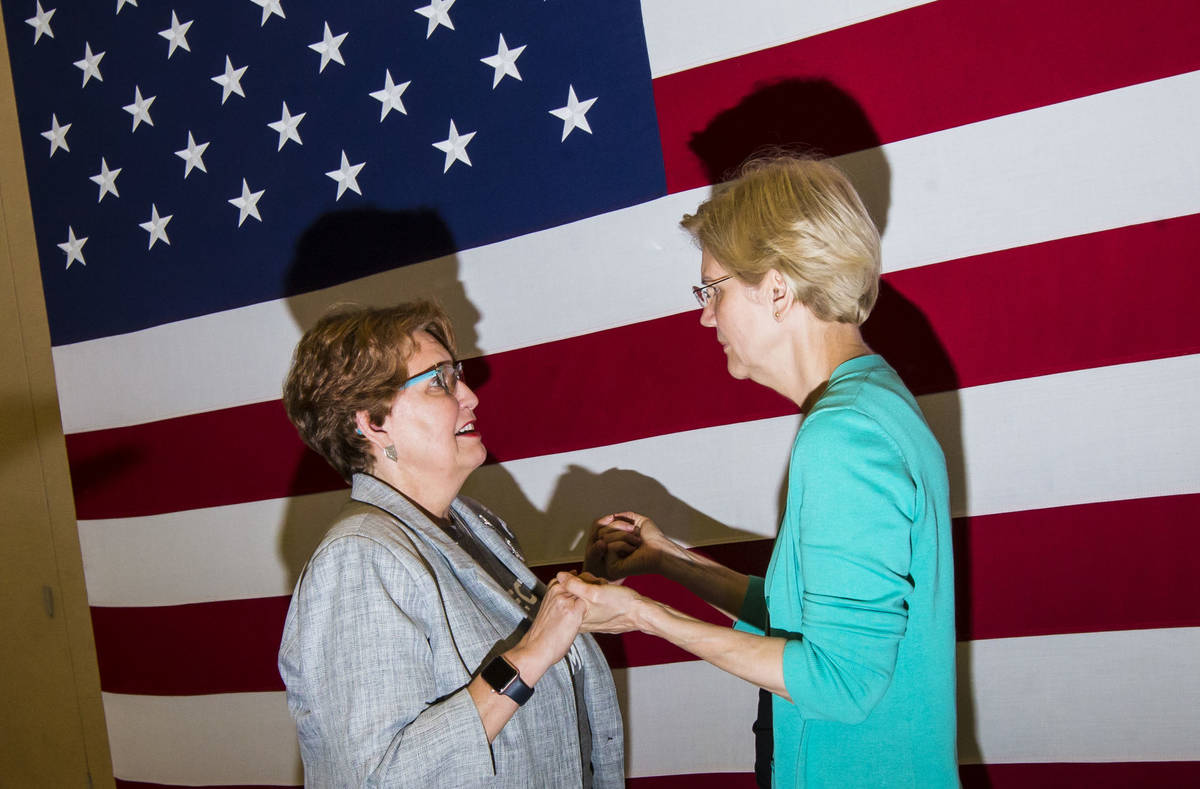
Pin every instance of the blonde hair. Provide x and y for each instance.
(355, 359)
(802, 218)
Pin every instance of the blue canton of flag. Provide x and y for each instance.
(177, 152)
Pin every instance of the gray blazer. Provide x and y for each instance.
(389, 622)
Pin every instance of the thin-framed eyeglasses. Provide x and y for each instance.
(704, 293)
(447, 374)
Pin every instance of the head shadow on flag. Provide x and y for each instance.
(344, 245)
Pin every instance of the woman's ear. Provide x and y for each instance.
(376, 434)
(780, 293)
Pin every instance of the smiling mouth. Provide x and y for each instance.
(467, 430)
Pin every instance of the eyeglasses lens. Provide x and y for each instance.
(449, 374)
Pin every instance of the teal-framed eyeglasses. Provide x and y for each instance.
(704, 293)
(447, 375)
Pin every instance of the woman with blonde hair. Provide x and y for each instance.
(852, 628)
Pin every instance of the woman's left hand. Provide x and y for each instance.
(551, 634)
(625, 544)
(610, 608)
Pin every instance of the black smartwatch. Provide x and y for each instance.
(506, 680)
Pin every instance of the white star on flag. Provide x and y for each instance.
(73, 247)
(157, 226)
(140, 108)
(438, 13)
(287, 126)
(247, 203)
(193, 155)
(504, 62)
(90, 65)
(346, 176)
(121, 4)
(574, 115)
(270, 7)
(328, 47)
(40, 22)
(455, 147)
(176, 35)
(231, 80)
(106, 179)
(57, 135)
(389, 96)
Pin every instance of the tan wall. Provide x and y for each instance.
(52, 730)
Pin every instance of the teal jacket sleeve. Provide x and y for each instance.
(752, 618)
(856, 504)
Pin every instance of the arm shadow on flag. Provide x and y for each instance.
(814, 116)
(554, 539)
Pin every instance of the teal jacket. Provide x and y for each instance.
(861, 583)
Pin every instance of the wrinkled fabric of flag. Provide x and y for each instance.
(206, 179)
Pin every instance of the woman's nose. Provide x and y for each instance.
(465, 395)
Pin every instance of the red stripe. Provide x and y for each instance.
(181, 650)
(1119, 565)
(914, 72)
(1106, 775)
(1062, 570)
(233, 455)
(964, 323)
(697, 780)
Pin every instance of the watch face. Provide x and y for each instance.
(504, 679)
(499, 673)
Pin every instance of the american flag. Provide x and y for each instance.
(206, 178)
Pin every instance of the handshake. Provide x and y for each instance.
(593, 600)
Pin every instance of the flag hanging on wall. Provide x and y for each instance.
(207, 178)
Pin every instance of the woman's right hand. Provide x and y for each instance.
(551, 634)
(624, 544)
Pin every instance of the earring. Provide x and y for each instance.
(357, 431)
(777, 316)
(390, 451)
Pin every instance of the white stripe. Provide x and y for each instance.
(228, 738)
(1085, 697)
(256, 549)
(685, 718)
(1104, 434)
(1040, 175)
(683, 34)
(1094, 697)
(1016, 180)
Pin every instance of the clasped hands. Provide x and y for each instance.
(593, 600)
(618, 546)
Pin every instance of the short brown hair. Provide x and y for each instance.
(802, 218)
(355, 359)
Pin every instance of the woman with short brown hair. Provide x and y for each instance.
(419, 650)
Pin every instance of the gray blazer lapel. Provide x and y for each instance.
(491, 531)
(373, 491)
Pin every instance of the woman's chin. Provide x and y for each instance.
(471, 444)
